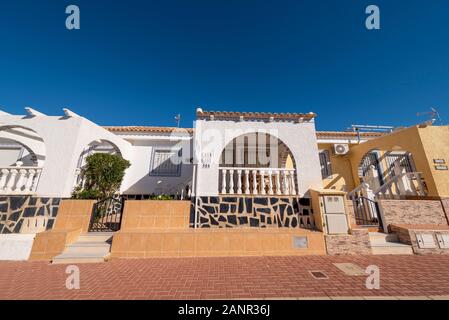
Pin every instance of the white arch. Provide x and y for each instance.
(26, 137)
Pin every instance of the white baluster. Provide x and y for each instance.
(223, 181)
(29, 180)
(270, 182)
(285, 182)
(77, 177)
(231, 181)
(292, 182)
(34, 175)
(239, 181)
(247, 182)
(21, 179)
(278, 182)
(262, 182)
(12, 180)
(4, 179)
(255, 182)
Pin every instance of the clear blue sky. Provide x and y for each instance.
(141, 62)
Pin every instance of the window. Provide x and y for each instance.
(166, 163)
(325, 163)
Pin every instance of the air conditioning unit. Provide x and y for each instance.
(341, 149)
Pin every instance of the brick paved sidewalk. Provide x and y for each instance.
(227, 278)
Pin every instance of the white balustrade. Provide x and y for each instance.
(262, 182)
(231, 181)
(257, 181)
(270, 182)
(239, 181)
(19, 180)
(247, 182)
(278, 183)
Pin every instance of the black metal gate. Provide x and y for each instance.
(107, 215)
(366, 212)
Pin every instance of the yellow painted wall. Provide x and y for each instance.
(435, 141)
(425, 144)
(341, 178)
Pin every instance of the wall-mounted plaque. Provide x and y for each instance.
(439, 161)
(441, 167)
(300, 242)
(206, 159)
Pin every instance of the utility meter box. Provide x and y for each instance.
(329, 210)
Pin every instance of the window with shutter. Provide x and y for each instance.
(325, 163)
(166, 163)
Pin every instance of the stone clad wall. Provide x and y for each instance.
(257, 212)
(413, 212)
(349, 244)
(15, 209)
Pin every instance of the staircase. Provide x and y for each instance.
(89, 248)
(383, 243)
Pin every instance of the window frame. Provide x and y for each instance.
(178, 172)
(326, 168)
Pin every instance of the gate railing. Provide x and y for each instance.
(107, 215)
(366, 212)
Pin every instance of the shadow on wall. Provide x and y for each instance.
(335, 181)
(159, 185)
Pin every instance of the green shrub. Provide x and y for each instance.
(104, 174)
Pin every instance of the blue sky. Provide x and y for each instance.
(141, 62)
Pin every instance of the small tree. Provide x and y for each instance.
(104, 174)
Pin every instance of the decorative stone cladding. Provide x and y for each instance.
(258, 212)
(349, 244)
(413, 212)
(407, 235)
(351, 213)
(445, 203)
(15, 209)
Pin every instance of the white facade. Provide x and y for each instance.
(56, 144)
(212, 135)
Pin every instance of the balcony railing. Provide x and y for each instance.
(405, 184)
(257, 181)
(19, 180)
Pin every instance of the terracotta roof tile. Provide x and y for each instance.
(147, 129)
(350, 134)
(254, 115)
(320, 134)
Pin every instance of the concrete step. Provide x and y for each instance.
(379, 238)
(73, 259)
(383, 243)
(387, 250)
(95, 237)
(89, 248)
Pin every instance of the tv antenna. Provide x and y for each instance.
(178, 119)
(433, 114)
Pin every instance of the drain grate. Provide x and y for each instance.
(320, 275)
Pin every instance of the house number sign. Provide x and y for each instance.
(206, 159)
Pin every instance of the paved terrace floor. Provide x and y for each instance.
(228, 278)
